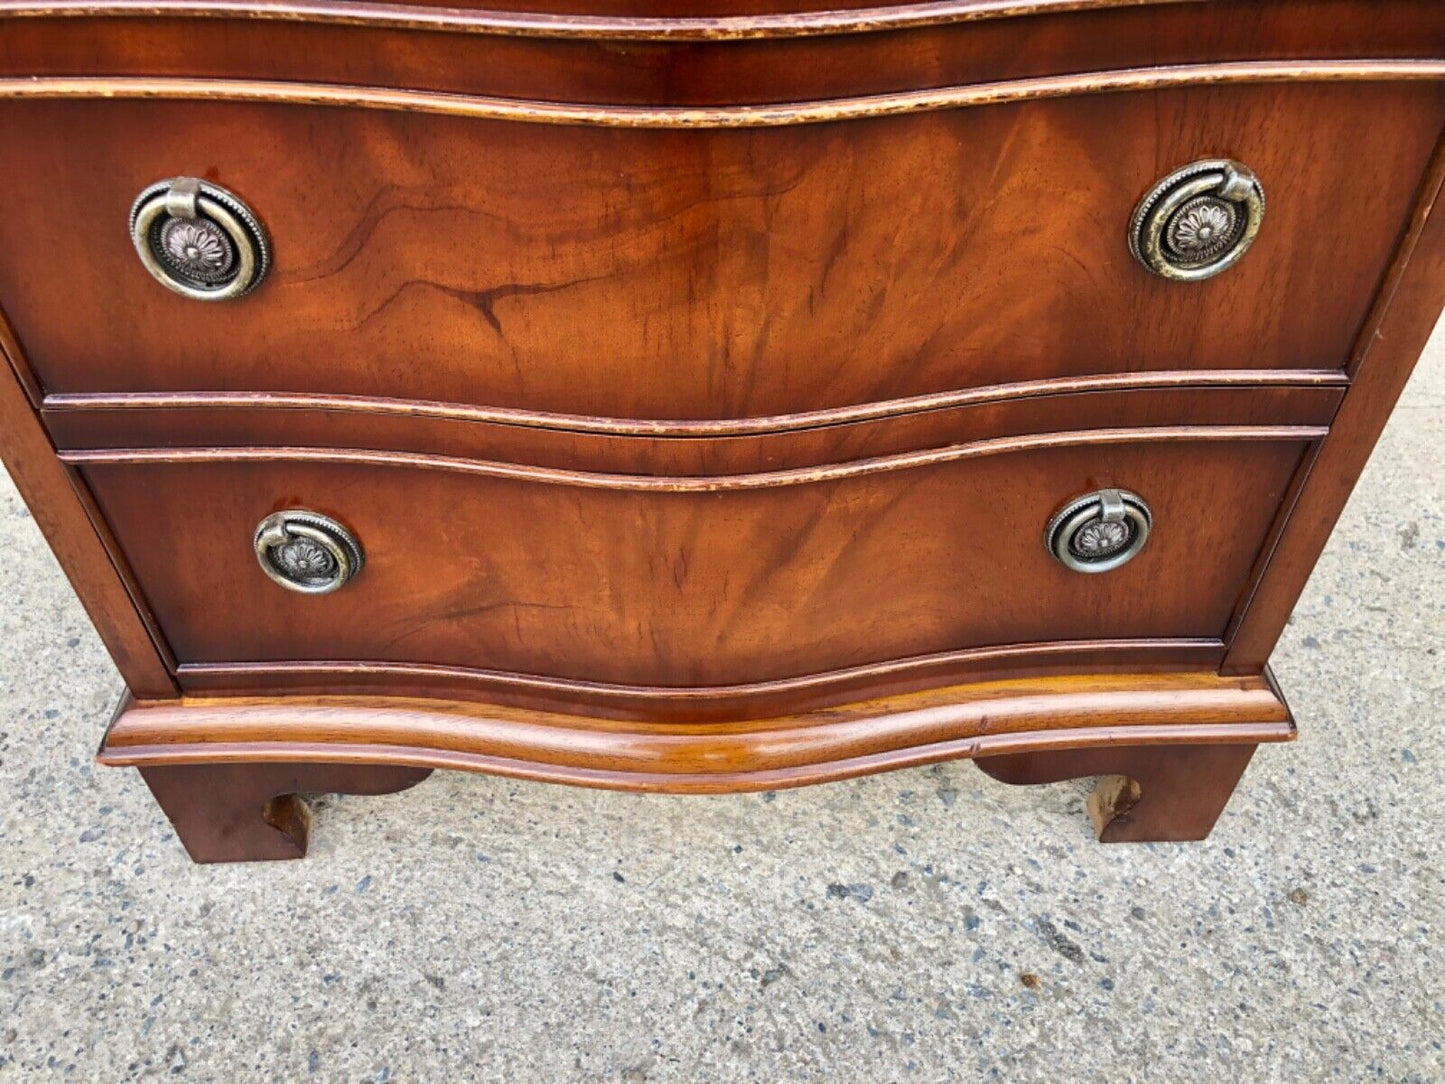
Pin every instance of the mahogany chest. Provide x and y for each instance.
(704, 396)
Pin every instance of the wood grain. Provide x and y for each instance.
(700, 703)
(727, 483)
(734, 274)
(699, 381)
(1404, 316)
(256, 812)
(65, 514)
(630, 19)
(588, 66)
(869, 736)
(1148, 794)
(698, 581)
(1292, 396)
(768, 115)
(80, 423)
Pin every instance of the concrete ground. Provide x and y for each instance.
(923, 925)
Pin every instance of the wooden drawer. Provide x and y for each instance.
(658, 584)
(636, 53)
(693, 394)
(610, 272)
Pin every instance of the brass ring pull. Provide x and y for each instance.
(199, 240)
(1198, 221)
(1099, 531)
(307, 552)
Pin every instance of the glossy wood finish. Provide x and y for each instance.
(587, 67)
(984, 719)
(256, 812)
(788, 442)
(1238, 396)
(1055, 35)
(64, 513)
(699, 381)
(1147, 794)
(609, 19)
(724, 273)
(693, 118)
(702, 703)
(1405, 314)
(694, 581)
(724, 19)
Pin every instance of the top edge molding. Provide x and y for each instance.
(461, 20)
(735, 117)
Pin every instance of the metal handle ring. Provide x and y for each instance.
(199, 240)
(1099, 531)
(307, 552)
(1198, 221)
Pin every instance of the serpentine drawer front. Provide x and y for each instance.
(626, 273)
(599, 392)
(648, 582)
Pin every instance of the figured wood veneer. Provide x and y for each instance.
(694, 581)
(699, 385)
(726, 273)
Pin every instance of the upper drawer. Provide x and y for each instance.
(602, 269)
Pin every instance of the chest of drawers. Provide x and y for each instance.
(702, 399)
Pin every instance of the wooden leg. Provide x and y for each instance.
(255, 812)
(1147, 793)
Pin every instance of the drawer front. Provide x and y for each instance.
(770, 63)
(717, 273)
(681, 583)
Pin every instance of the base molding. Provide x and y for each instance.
(987, 719)
(231, 773)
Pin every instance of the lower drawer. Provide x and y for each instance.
(668, 583)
